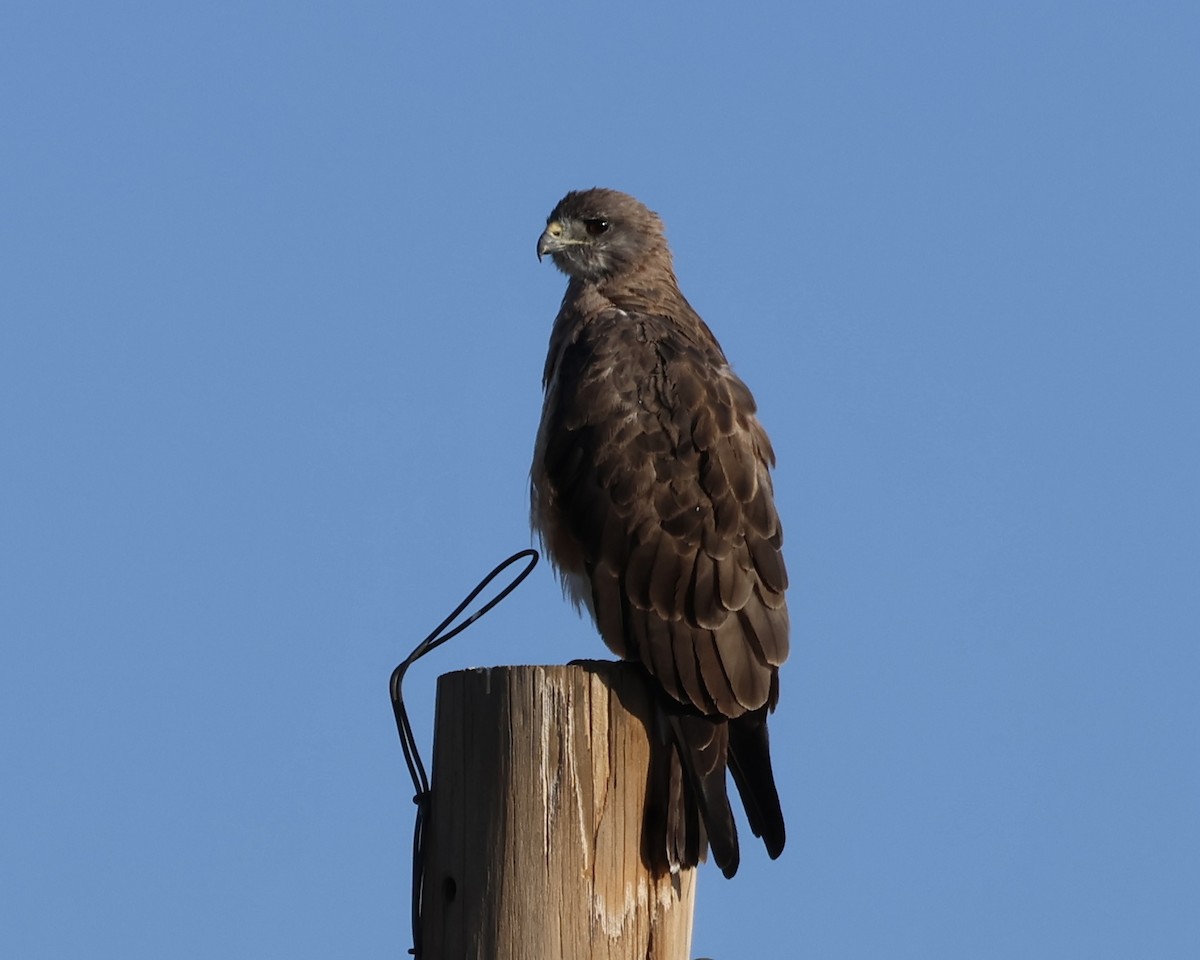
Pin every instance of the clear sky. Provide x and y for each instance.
(271, 339)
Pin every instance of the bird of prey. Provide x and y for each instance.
(651, 492)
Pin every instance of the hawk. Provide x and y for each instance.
(651, 491)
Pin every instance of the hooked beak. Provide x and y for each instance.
(551, 240)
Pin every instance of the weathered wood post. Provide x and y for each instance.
(534, 844)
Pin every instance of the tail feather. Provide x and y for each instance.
(687, 839)
(702, 746)
(750, 764)
(688, 809)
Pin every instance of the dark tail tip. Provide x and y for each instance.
(750, 764)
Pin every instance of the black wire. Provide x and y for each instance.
(412, 757)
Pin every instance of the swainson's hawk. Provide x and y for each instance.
(652, 494)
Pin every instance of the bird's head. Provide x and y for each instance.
(593, 235)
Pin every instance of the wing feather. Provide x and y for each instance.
(712, 673)
(687, 666)
(664, 578)
(703, 604)
(749, 683)
(735, 584)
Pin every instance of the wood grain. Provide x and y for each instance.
(535, 843)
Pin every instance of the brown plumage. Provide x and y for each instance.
(652, 493)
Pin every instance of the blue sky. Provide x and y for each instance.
(271, 334)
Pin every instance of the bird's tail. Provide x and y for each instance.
(699, 808)
(688, 801)
(750, 764)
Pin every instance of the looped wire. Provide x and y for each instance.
(412, 756)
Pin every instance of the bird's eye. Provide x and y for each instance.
(595, 226)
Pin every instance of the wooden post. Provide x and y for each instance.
(534, 849)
